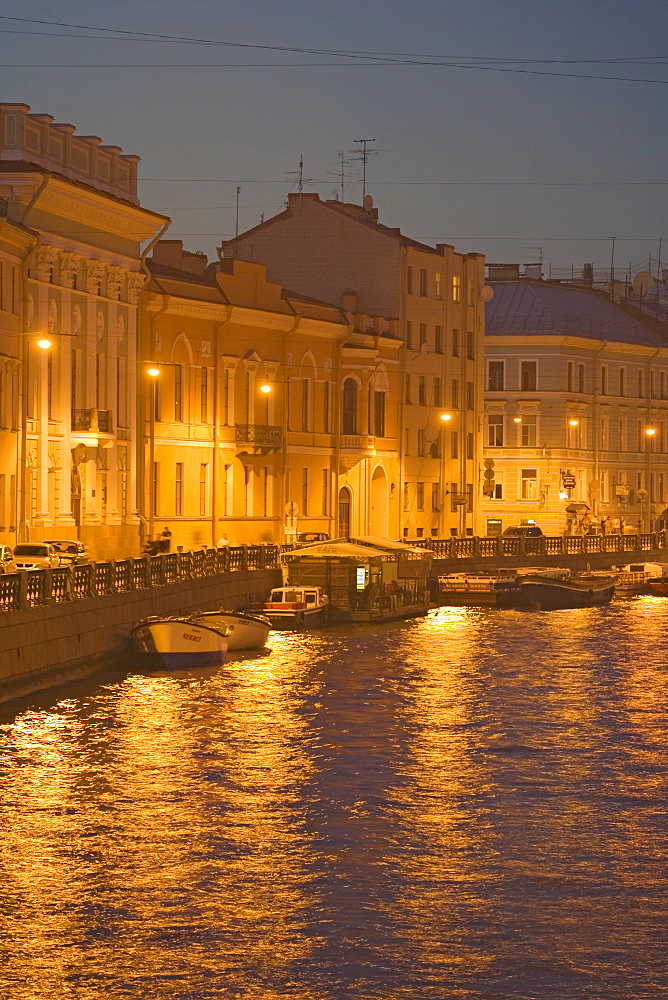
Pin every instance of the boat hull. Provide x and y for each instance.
(244, 631)
(293, 620)
(547, 594)
(176, 643)
(658, 587)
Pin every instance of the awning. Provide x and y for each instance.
(575, 508)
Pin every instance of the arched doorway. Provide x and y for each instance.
(345, 503)
(379, 504)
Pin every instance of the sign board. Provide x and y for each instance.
(622, 490)
(360, 577)
(291, 508)
(460, 498)
(567, 481)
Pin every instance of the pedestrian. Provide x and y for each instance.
(165, 539)
(604, 525)
(223, 541)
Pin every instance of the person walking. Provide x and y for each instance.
(165, 539)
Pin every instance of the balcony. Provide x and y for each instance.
(257, 439)
(355, 447)
(92, 427)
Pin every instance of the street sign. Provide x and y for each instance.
(567, 481)
(291, 508)
(622, 490)
(460, 498)
(489, 463)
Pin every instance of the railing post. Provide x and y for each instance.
(23, 590)
(48, 585)
(244, 557)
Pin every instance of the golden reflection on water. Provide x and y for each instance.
(469, 804)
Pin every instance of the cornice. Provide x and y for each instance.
(214, 311)
(98, 211)
(259, 318)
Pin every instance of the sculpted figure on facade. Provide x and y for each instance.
(135, 284)
(94, 275)
(46, 259)
(114, 281)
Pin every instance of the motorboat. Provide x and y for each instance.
(658, 586)
(637, 578)
(245, 629)
(180, 642)
(583, 590)
(294, 607)
(500, 588)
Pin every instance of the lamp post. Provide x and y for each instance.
(154, 374)
(649, 435)
(23, 526)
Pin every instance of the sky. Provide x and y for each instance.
(523, 130)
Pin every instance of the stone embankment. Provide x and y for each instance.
(56, 625)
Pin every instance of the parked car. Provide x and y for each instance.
(35, 555)
(7, 564)
(306, 537)
(69, 552)
(522, 530)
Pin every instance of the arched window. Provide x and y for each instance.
(350, 406)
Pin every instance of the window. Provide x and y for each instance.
(203, 492)
(662, 385)
(325, 408)
(455, 394)
(641, 384)
(178, 490)
(454, 489)
(407, 441)
(495, 427)
(529, 484)
(409, 335)
(456, 288)
(204, 396)
(528, 376)
(266, 481)
(581, 378)
(350, 406)
(470, 287)
(469, 444)
(622, 434)
(652, 384)
(438, 284)
(496, 376)
(604, 433)
(569, 379)
(423, 282)
(178, 393)
(379, 414)
(419, 496)
(407, 503)
(409, 280)
(438, 340)
(422, 390)
(248, 488)
(438, 400)
(604, 380)
(470, 345)
(434, 497)
(423, 334)
(49, 384)
(469, 395)
(408, 389)
(226, 397)
(455, 343)
(622, 381)
(454, 445)
(306, 397)
(529, 431)
(305, 507)
(325, 492)
(420, 442)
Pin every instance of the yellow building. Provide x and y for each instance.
(269, 412)
(80, 277)
(433, 297)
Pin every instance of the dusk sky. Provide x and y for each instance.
(502, 126)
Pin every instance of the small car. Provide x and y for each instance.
(35, 555)
(306, 537)
(70, 551)
(522, 530)
(7, 564)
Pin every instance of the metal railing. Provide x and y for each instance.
(472, 547)
(39, 587)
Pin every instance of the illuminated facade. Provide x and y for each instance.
(576, 411)
(434, 297)
(80, 278)
(262, 395)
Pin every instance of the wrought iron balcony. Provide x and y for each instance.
(92, 421)
(258, 438)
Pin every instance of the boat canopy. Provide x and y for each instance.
(364, 547)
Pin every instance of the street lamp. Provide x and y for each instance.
(649, 434)
(23, 529)
(154, 373)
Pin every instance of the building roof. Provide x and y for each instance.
(540, 308)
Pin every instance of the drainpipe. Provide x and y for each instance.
(139, 433)
(337, 426)
(22, 525)
(595, 493)
(648, 445)
(215, 464)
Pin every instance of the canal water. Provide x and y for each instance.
(470, 805)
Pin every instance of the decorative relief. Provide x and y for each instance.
(135, 284)
(69, 262)
(55, 463)
(46, 259)
(30, 312)
(157, 343)
(114, 281)
(122, 459)
(53, 317)
(76, 320)
(206, 349)
(99, 326)
(120, 332)
(101, 459)
(94, 273)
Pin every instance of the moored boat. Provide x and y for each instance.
(294, 607)
(244, 629)
(582, 591)
(500, 590)
(658, 586)
(637, 578)
(180, 642)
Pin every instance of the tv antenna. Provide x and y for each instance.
(341, 173)
(363, 154)
(301, 180)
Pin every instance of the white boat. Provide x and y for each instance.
(635, 578)
(245, 629)
(295, 607)
(499, 590)
(180, 642)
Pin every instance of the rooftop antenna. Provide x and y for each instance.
(301, 180)
(341, 174)
(364, 155)
(236, 228)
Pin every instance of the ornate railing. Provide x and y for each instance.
(262, 435)
(92, 420)
(33, 588)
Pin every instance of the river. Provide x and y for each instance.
(470, 805)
